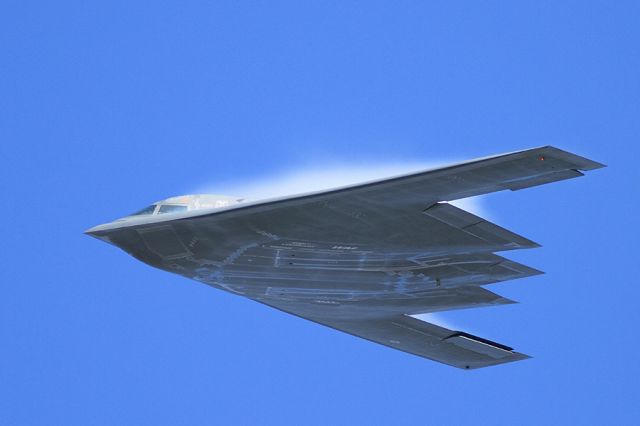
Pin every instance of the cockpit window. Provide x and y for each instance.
(171, 208)
(146, 210)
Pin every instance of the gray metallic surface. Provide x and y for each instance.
(360, 259)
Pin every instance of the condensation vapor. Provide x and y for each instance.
(312, 179)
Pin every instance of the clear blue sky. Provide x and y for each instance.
(107, 106)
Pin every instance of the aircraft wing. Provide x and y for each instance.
(421, 338)
(513, 171)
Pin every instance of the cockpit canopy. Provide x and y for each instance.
(185, 203)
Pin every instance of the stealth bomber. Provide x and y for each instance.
(363, 259)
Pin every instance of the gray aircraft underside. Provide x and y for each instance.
(362, 258)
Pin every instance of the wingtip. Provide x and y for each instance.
(580, 162)
(513, 357)
(505, 301)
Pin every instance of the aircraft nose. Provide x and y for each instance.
(101, 232)
(95, 230)
(106, 228)
(91, 231)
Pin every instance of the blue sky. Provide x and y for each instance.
(108, 106)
